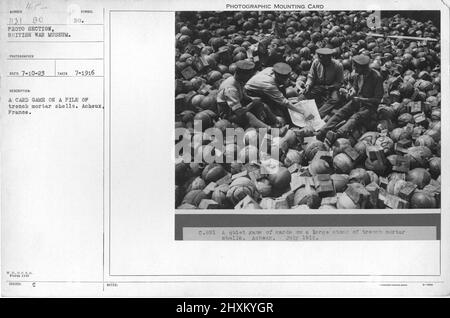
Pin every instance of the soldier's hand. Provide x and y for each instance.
(279, 123)
(307, 89)
(351, 92)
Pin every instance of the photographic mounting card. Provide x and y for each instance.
(94, 93)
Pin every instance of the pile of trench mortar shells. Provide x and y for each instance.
(393, 162)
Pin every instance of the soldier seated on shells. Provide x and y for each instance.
(364, 97)
(325, 78)
(236, 106)
(269, 85)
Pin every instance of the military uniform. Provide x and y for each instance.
(264, 85)
(232, 101)
(321, 75)
(355, 112)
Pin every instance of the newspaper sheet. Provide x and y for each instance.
(309, 116)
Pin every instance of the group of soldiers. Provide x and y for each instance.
(259, 100)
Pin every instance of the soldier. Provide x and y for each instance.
(324, 80)
(269, 85)
(235, 106)
(365, 96)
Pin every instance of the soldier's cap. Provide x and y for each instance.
(361, 59)
(324, 51)
(282, 68)
(245, 66)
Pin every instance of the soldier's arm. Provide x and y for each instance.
(339, 78)
(233, 99)
(378, 93)
(311, 75)
(246, 99)
(277, 97)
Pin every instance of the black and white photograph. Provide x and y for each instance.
(307, 110)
